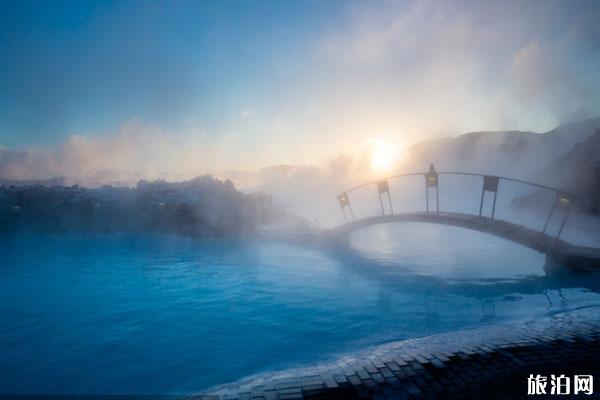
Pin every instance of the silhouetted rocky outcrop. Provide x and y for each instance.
(577, 171)
(202, 206)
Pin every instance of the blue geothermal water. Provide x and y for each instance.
(159, 314)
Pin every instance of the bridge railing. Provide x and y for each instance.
(563, 200)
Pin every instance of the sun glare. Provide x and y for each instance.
(383, 155)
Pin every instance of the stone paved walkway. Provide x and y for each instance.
(488, 363)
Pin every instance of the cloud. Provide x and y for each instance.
(132, 152)
(246, 113)
(17, 164)
(547, 79)
(428, 68)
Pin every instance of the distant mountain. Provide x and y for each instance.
(513, 153)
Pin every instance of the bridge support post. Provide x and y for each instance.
(490, 184)
(381, 204)
(564, 221)
(431, 181)
(481, 202)
(426, 199)
(550, 213)
(344, 202)
(384, 187)
(437, 200)
(562, 202)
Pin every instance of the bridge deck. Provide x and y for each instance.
(560, 251)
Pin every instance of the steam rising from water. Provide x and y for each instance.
(402, 72)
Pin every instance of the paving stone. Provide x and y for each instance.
(313, 387)
(370, 368)
(370, 384)
(416, 366)
(421, 359)
(362, 374)
(413, 388)
(378, 378)
(340, 378)
(399, 361)
(270, 395)
(386, 372)
(290, 396)
(392, 366)
(354, 380)
(331, 383)
(287, 384)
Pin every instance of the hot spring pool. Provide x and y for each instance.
(157, 314)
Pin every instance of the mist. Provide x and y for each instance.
(300, 121)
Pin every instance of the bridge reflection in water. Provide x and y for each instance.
(555, 249)
(488, 292)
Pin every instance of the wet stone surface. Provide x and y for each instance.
(493, 362)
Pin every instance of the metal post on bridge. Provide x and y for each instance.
(490, 184)
(344, 202)
(551, 212)
(384, 187)
(562, 201)
(431, 181)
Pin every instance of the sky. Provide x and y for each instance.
(177, 88)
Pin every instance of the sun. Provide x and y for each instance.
(383, 155)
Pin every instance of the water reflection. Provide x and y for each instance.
(393, 267)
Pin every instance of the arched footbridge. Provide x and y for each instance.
(556, 250)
